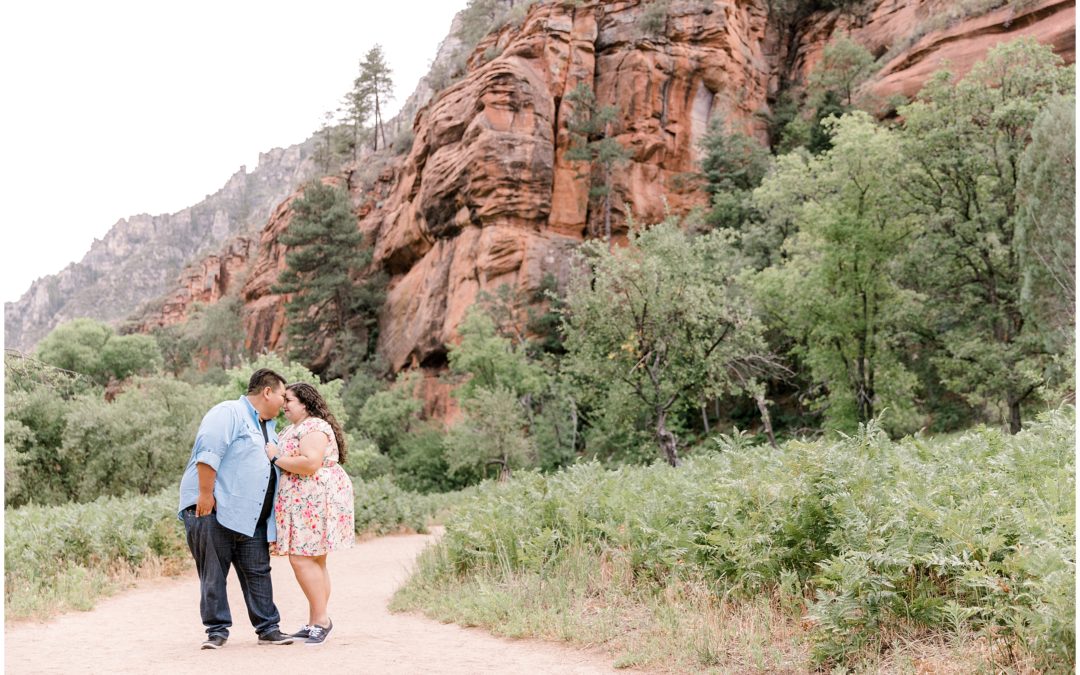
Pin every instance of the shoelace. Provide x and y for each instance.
(316, 632)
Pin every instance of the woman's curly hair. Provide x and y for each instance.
(315, 405)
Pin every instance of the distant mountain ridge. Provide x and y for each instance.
(141, 256)
(144, 259)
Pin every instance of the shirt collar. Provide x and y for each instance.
(251, 409)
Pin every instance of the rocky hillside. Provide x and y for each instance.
(141, 256)
(485, 196)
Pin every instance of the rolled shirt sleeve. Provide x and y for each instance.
(215, 433)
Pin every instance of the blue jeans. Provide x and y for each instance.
(215, 548)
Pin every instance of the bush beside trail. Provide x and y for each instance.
(867, 544)
(66, 557)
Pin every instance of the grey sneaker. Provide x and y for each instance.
(302, 634)
(318, 635)
(214, 642)
(275, 637)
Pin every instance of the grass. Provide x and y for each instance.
(67, 557)
(864, 554)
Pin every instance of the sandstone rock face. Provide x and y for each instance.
(205, 282)
(140, 257)
(921, 39)
(486, 196)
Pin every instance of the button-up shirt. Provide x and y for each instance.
(230, 441)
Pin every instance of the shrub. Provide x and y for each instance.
(969, 533)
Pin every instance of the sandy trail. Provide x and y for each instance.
(155, 628)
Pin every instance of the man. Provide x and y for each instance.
(227, 505)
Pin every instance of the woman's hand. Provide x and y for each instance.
(271, 451)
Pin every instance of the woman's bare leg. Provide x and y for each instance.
(310, 574)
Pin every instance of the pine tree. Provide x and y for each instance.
(326, 252)
(376, 87)
(591, 141)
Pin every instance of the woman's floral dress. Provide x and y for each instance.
(314, 513)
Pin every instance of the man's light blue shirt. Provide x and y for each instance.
(230, 441)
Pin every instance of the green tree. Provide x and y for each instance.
(136, 444)
(838, 294)
(966, 141)
(357, 109)
(92, 348)
(486, 360)
(732, 166)
(592, 141)
(327, 148)
(326, 252)
(844, 65)
(216, 331)
(665, 319)
(1046, 232)
(387, 416)
(375, 86)
(493, 432)
(127, 355)
(77, 346)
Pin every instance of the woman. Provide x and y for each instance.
(314, 508)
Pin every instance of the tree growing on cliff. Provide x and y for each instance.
(592, 141)
(732, 166)
(326, 252)
(664, 321)
(966, 141)
(375, 86)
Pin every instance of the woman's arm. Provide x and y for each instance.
(312, 452)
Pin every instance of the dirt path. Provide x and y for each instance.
(155, 628)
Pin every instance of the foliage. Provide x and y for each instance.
(325, 253)
(211, 337)
(492, 432)
(664, 319)
(1046, 229)
(592, 140)
(885, 541)
(838, 294)
(844, 65)
(732, 166)
(92, 348)
(64, 557)
(67, 556)
(374, 87)
(653, 18)
(487, 361)
(388, 415)
(138, 443)
(965, 140)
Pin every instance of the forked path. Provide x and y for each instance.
(155, 628)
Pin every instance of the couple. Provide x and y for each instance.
(242, 496)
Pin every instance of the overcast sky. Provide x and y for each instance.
(112, 108)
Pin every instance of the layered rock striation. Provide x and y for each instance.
(485, 194)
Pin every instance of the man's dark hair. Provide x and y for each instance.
(263, 377)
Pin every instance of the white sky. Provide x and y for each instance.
(112, 109)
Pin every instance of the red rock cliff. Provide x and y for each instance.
(486, 196)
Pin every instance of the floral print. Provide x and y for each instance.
(314, 513)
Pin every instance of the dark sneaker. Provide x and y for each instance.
(302, 634)
(317, 635)
(214, 642)
(275, 637)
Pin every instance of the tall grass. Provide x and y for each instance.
(853, 550)
(66, 557)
